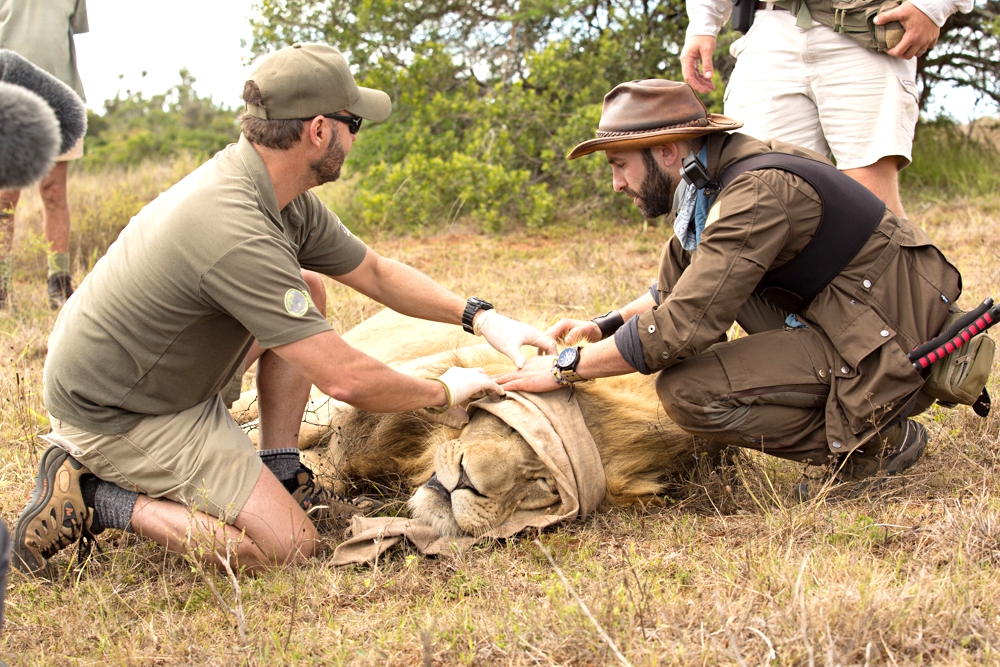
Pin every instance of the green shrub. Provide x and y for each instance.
(134, 128)
(948, 163)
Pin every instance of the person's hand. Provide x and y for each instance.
(464, 385)
(574, 331)
(535, 377)
(507, 335)
(698, 51)
(921, 33)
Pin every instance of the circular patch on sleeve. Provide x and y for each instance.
(296, 302)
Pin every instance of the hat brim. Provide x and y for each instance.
(639, 140)
(371, 105)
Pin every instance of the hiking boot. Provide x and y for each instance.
(888, 453)
(326, 508)
(55, 516)
(60, 289)
(894, 450)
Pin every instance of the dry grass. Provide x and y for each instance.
(730, 572)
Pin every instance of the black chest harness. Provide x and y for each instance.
(850, 215)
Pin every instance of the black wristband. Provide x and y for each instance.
(609, 323)
(473, 306)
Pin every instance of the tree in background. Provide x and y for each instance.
(967, 54)
(489, 95)
(134, 128)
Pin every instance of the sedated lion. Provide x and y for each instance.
(473, 479)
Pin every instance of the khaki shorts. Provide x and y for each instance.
(199, 457)
(822, 91)
(74, 153)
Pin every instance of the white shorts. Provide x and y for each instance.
(822, 91)
(74, 153)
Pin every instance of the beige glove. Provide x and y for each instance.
(507, 336)
(462, 385)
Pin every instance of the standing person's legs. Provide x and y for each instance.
(55, 223)
(882, 178)
(766, 392)
(768, 89)
(8, 206)
(868, 109)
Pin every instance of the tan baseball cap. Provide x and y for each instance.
(309, 80)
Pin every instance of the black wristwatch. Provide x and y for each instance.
(473, 306)
(565, 365)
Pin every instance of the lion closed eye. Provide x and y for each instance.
(481, 479)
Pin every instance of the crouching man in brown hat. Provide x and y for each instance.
(832, 287)
(204, 281)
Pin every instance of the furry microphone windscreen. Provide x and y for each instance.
(29, 137)
(69, 108)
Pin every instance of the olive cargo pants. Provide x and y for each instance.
(766, 391)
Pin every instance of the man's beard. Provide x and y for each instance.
(656, 194)
(327, 168)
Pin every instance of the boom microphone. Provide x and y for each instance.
(29, 137)
(67, 105)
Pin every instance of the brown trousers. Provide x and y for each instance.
(765, 391)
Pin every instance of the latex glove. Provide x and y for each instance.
(575, 331)
(507, 335)
(698, 50)
(463, 385)
(921, 33)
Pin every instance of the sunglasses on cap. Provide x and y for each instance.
(353, 122)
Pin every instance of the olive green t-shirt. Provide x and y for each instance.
(165, 319)
(42, 31)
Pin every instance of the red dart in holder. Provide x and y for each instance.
(957, 335)
(957, 363)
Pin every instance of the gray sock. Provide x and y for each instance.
(284, 462)
(112, 504)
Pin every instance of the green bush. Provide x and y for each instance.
(134, 129)
(949, 163)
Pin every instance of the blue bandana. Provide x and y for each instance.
(693, 210)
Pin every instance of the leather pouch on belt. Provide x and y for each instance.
(959, 378)
(885, 36)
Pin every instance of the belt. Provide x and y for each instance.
(774, 7)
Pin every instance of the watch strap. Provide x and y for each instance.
(567, 374)
(473, 306)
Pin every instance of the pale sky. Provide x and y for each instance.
(128, 37)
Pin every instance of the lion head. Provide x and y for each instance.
(482, 478)
(471, 480)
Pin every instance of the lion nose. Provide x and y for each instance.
(437, 487)
(464, 482)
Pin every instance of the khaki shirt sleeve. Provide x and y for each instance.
(324, 243)
(743, 238)
(78, 21)
(258, 283)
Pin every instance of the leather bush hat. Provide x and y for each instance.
(640, 114)
(309, 80)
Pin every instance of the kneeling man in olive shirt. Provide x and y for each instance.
(213, 275)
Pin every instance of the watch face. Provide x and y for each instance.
(568, 357)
